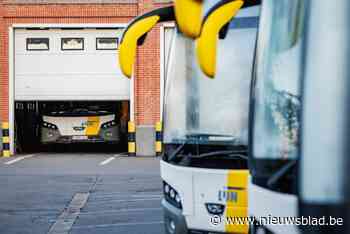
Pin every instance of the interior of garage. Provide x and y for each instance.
(29, 124)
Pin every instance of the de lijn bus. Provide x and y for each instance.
(275, 114)
(299, 125)
(324, 152)
(204, 164)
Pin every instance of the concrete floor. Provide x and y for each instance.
(123, 194)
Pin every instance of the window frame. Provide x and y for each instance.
(261, 63)
(38, 38)
(97, 39)
(72, 49)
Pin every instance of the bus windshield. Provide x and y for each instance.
(277, 73)
(204, 111)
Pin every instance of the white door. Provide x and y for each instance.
(69, 64)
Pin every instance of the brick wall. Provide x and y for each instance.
(88, 11)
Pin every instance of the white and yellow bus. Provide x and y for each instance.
(204, 165)
(324, 153)
(80, 125)
(299, 128)
(275, 111)
(298, 132)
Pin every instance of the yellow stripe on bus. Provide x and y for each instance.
(93, 126)
(237, 183)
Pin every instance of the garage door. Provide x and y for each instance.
(68, 64)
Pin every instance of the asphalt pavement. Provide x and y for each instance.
(80, 193)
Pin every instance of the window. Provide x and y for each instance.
(72, 43)
(107, 43)
(277, 92)
(38, 44)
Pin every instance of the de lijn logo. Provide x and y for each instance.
(229, 194)
(84, 125)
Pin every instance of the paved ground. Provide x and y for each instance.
(80, 193)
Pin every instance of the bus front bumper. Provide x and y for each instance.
(174, 220)
(109, 135)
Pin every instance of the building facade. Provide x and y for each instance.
(15, 15)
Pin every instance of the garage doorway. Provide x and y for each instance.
(51, 126)
(66, 81)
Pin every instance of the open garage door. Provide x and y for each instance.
(68, 83)
(66, 64)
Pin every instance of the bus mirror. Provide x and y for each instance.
(215, 21)
(135, 34)
(189, 16)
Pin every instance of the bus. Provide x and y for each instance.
(290, 155)
(275, 114)
(204, 164)
(88, 124)
(298, 128)
(324, 152)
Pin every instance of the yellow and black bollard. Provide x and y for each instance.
(159, 138)
(131, 138)
(6, 139)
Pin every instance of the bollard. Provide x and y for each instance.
(5, 140)
(131, 139)
(159, 138)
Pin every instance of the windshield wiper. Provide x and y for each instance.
(207, 135)
(176, 152)
(210, 137)
(283, 171)
(230, 153)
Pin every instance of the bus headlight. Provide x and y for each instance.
(109, 124)
(166, 188)
(178, 199)
(49, 125)
(171, 195)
